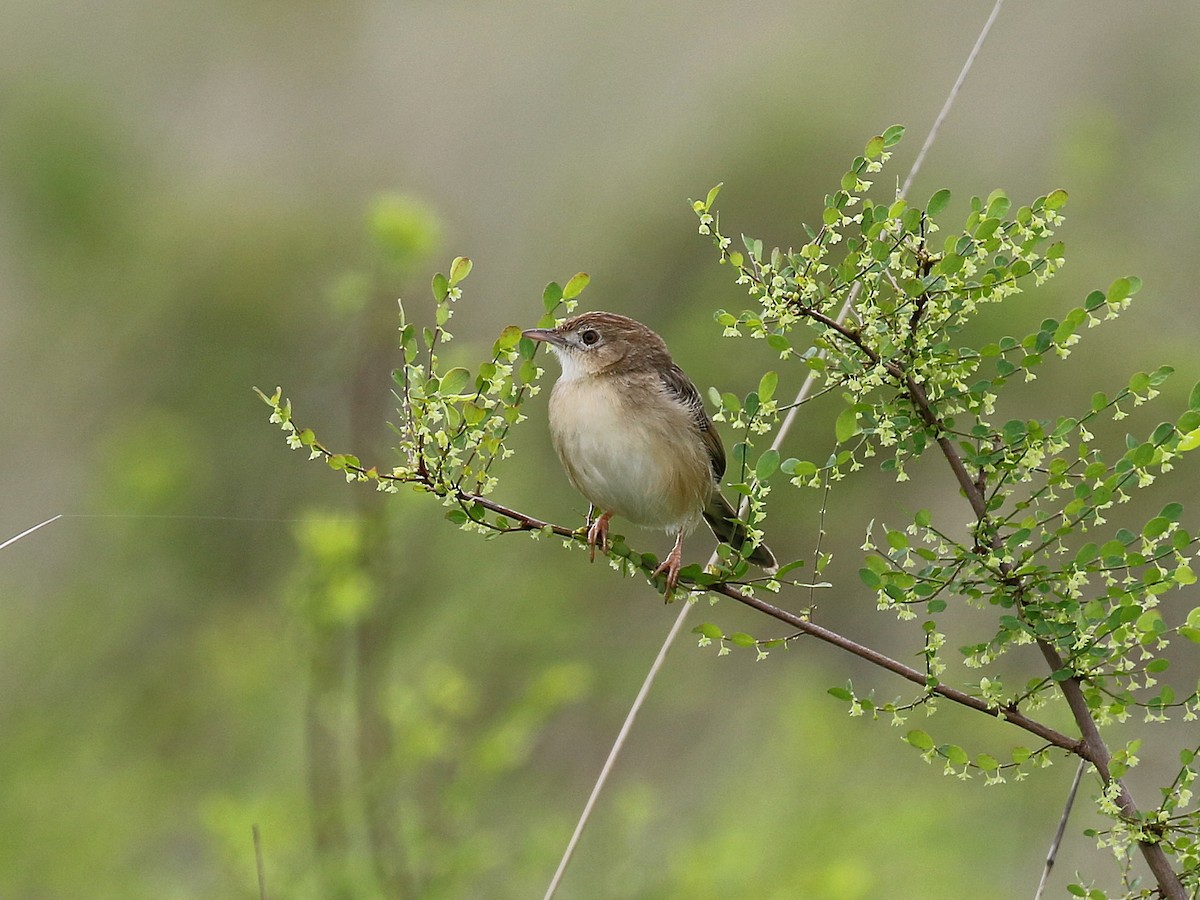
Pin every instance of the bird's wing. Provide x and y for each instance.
(681, 388)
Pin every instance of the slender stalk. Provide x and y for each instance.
(258, 863)
(1052, 853)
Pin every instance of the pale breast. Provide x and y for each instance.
(634, 452)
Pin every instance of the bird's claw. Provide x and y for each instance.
(597, 533)
(670, 566)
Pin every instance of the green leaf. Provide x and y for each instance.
(841, 693)
(987, 762)
(575, 286)
(893, 135)
(1189, 441)
(1119, 290)
(1056, 199)
(767, 464)
(710, 631)
(509, 337)
(742, 639)
(455, 381)
(870, 579)
(441, 287)
(551, 296)
(473, 414)
(767, 385)
(919, 739)
(459, 269)
(712, 195)
(937, 203)
(955, 755)
(1194, 397)
(847, 425)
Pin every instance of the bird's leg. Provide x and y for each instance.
(672, 564)
(598, 534)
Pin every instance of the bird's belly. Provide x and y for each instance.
(627, 459)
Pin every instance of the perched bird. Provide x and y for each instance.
(631, 432)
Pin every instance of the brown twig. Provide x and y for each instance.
(1091, 745)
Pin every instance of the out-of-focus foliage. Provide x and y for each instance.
(181, 196)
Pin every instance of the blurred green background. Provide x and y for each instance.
(404, 709)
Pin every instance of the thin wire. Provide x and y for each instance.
(1062, 827)
(13, 540)
(785, 426)
(958, 83)
(27, 531)
(616, 750)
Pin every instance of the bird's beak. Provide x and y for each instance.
(548, 335)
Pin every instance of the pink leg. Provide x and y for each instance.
(598, 534)
(672, 564)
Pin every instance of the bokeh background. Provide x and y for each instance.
(220, 634)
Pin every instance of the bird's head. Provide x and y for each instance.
(598, 342)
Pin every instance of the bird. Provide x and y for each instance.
(632, 434)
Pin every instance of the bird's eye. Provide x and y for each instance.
(589, 336)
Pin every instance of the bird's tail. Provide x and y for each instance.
(723, 521)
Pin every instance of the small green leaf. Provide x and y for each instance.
(1189, 441)
(955, 755)
(841, 693)
(893, 135)
(767, 385)
(847, 425)
(710, 631)
(575, 286)
(937, 203)
(459, 269)
(712, 195)
(1194, 397)
(441, 287)
(1056, 199)
(919, 739)
(1119, 290)
(767, 464)
(473, 414)
(742, 639)
(987, 762)
(509, 337)
(870, 579)
(455, 381)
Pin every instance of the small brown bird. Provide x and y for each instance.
(631, 432)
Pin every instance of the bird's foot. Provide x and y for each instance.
(671, 566)
(598, 534)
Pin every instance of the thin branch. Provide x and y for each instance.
(13, 540)
(617, 746)
(258, 863)
(1062, 827)
(1007, 713)
(945, 111)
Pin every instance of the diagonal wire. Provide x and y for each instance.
(784, 428)
(1052, 853)
(14, 539)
